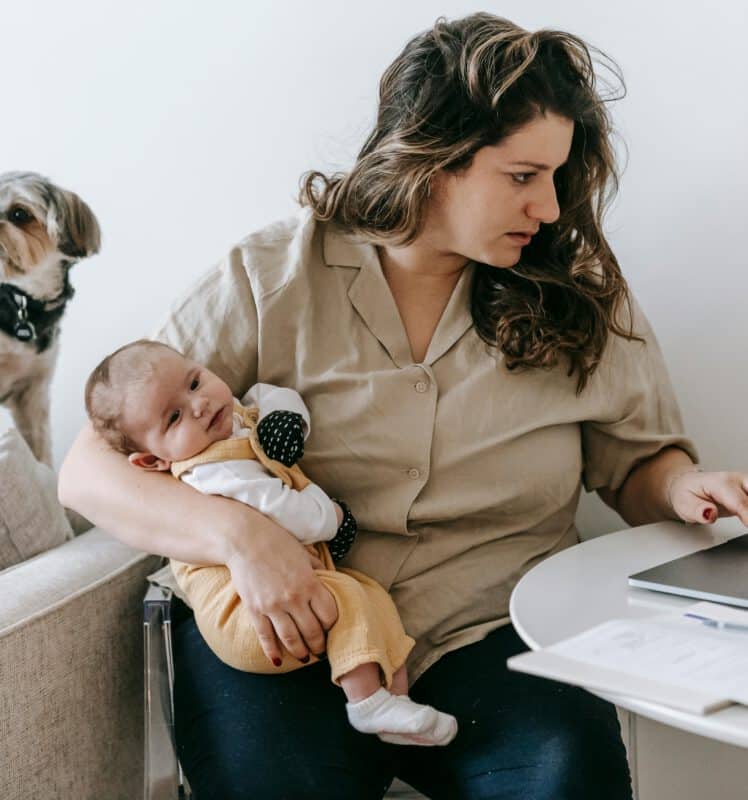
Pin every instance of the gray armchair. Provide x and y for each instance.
(73, 645)
(71, 672)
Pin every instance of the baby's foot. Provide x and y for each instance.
(397, 719)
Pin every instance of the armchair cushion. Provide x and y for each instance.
(31, 518)
(71, 671)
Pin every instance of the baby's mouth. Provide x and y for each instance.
(217, 417)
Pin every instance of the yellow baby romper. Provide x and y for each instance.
(368, 628)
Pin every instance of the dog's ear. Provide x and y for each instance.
(78, 232)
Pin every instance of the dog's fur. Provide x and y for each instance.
(44, 230)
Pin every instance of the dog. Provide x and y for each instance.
(44, 231)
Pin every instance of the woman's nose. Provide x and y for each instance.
(544, 206)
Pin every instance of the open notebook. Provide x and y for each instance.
(676, 660)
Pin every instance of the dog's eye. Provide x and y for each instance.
(19, 216)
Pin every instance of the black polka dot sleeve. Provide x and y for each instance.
(281, 434)
(347, 531)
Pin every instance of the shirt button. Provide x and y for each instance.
(414, 473)
(422, 387)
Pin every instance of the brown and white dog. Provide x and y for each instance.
(44, 230)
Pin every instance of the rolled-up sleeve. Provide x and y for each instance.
(639, 410)
(215, 323)
(308, 514)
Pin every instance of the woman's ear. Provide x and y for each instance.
(149, 461)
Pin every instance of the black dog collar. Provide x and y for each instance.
(27, 319)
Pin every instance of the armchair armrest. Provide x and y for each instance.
(71, 671)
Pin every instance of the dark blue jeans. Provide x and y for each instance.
(269, 737)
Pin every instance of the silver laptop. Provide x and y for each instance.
(719, 574)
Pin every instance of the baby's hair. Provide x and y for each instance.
(108, 384)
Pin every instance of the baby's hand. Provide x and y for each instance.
(281, 434)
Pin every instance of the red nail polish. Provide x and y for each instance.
(277, 662)
(708, 514)
(304, 660)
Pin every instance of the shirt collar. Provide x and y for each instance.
(371, 297)
(343, 249)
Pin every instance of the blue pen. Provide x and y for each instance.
(719, 624)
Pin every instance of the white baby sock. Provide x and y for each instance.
(397, 719)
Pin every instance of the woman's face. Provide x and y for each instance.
(481, 213)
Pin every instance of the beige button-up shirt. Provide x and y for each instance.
(462, 475)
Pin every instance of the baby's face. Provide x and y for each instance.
(179, 411)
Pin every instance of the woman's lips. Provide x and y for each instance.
(521, 239)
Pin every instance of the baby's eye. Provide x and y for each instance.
(522, 177)
(173, 419)
(195, 383)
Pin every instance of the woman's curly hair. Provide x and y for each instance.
(459, 87)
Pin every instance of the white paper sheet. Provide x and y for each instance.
(672, 660)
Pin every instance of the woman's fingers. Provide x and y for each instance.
(323, 606)
(268, 640)
(705, 496)
(306, 620)
(310, 629)
(298, 632)
(696, 504)
(729, 494)
(290, 609)
(289, 635)
(299, 628)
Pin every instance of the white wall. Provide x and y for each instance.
(186, 128)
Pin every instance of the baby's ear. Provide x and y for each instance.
(149, 461)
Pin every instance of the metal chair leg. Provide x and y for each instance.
(163, 777)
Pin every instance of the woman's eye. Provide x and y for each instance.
(195, 383)
(522, 177)
(19, 216)
(172, 419)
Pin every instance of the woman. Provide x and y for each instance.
(461, 331)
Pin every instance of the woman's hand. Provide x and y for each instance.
(274, 576)
(705, 496)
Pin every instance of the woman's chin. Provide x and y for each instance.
(502, 260)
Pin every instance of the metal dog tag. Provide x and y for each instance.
(24, 331)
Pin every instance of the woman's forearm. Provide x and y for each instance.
(643, 496)
(151, 511)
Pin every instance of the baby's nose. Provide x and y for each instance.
(199, 406)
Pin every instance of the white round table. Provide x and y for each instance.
(586, 585)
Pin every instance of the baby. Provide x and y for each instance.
(168, 413)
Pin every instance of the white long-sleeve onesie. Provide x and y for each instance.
(308, 514)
